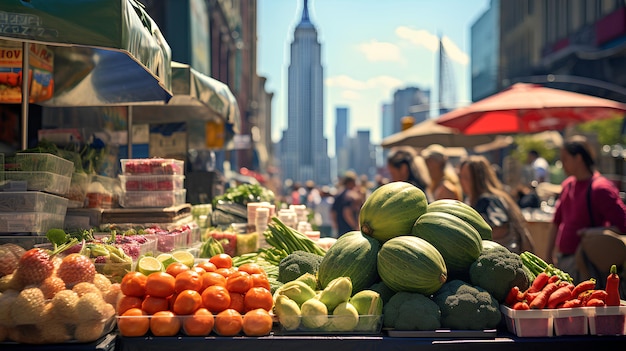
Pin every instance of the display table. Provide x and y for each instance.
(105, 343)
(503, 341)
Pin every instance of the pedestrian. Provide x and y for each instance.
(486, 194)
(445, 182)
(589, 203)
(344, 210)
(322, 216)
(539, 166)
(404, 164)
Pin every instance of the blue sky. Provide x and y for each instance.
(370, 48)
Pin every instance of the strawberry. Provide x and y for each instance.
(76, 268)
(34, 267)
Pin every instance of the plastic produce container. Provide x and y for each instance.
(153, 198)
(570, 321)
(32, 201)
(368, 324)
(41, 181)
(152, 182)
(30, 222)
(152, 166)
(529, 323)
(608, 320)
(39, 162)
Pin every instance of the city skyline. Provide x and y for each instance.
(368, 56)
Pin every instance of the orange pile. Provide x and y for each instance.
(212, 295)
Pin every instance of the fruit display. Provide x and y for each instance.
(48, 299)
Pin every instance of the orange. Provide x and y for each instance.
(222, 260)
(125, 303)
(160, 284)
(200, 270)
(165, 323)
(260, 280)
(133, 322)
(134, 284)
(152, 304)
(258, 297)
(207, 266)
(187, 302)
(237, 302)
(216, 298)
(212, 278)
(226, 271)
(175, 268)
(252, 268)
(188, 280)
(238, 282)
(200, 323)
(257, 322)
(228, 323)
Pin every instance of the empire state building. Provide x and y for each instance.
(304, 149)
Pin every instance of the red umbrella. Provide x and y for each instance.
(529, 108)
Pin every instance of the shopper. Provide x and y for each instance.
(444, 180)
(589, 203)
(485, 193)
(345, 209)
(404, 164)
(539, 166)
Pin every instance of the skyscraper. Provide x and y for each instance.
(305, 150)
(341, 140)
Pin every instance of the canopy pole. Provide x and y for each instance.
(25, 93)
(130, 131)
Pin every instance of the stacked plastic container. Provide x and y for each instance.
(152, 182)
(32, 185)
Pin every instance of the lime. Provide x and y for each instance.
(185, 257)
(148, 264)
(166, 259)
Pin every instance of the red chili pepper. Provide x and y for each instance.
(572, 303)
(542, 299)
(612, 288)
(540, 282)
(521, 305)
(562, 294)
(511, 298)
(595, 303)
(584, 286)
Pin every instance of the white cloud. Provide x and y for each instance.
(376, 51)
(350, 95)
(429, 41)
(346, 82)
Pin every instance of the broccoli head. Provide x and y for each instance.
(497, 271)
(411, 311)
(296, 264)
(464, 306)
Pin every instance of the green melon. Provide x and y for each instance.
(408, 263)
(391, 210)
(463, 211)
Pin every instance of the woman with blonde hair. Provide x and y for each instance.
(405, 164)
(444, 180)
(486, 195)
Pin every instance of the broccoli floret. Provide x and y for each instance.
(385, 292)
(411, 311)
(296, 264)
(497, 271)
(464, 306)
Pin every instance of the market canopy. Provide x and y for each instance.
(100, 52)
(429, 132)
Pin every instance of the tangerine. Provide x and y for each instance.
(152, 304)
(222, 260)
(252, 268)
(257, 322)
(226, 271)
(200, 323)
(160, 284)
(228, 322)
(188, 280)
(238, 282)
(216, 298)
(134, 284)
(133, 322)
(125, 303)
(165, 323)
(258, 297)
(187, 302)
(260, 280)
(176, 268)
(207, 266)
(212, 278)
(237, 302)
(200, 270)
